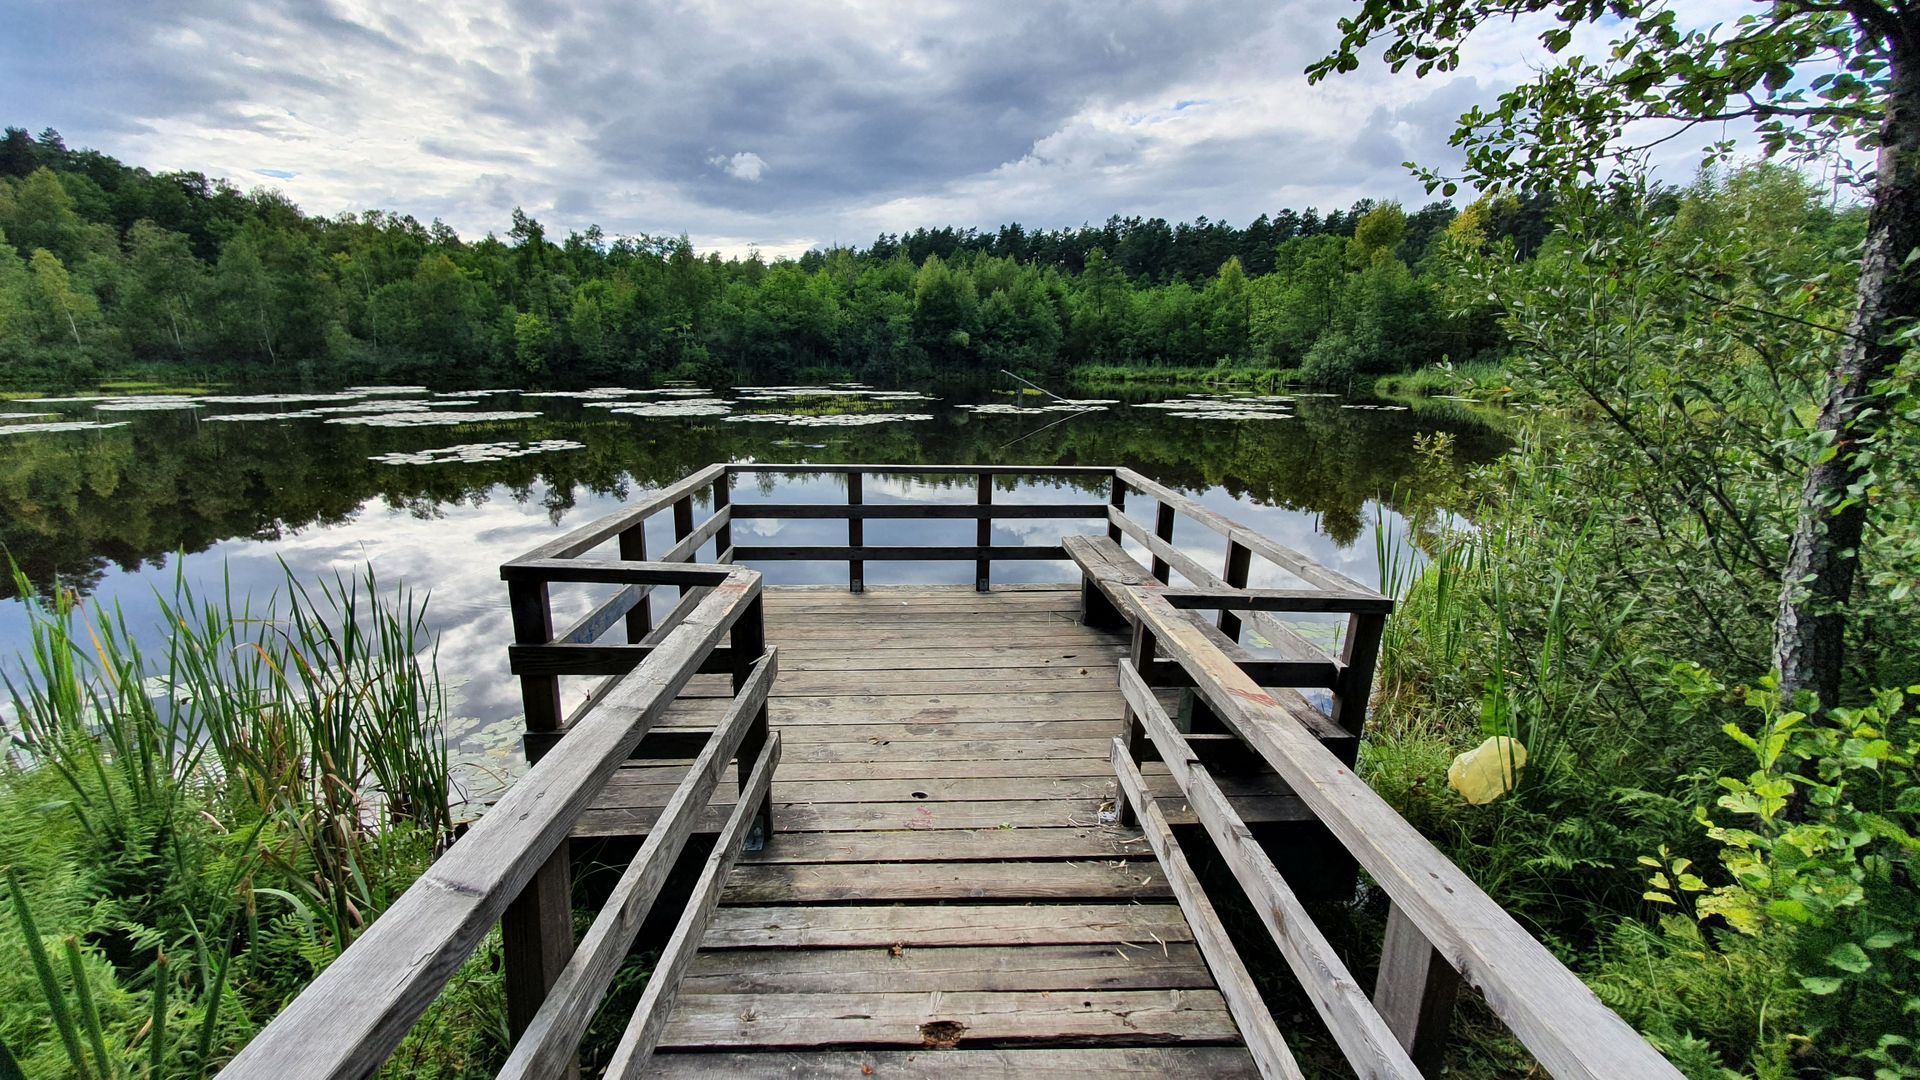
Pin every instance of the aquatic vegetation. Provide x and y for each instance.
(1225, 407)
(834, 420)
(68, 425)
(427, 418)
(1002, 409)
(1377, 408)
(299, 415)
(155, 404)
(695, 407)
(278, 399)
(465, 453)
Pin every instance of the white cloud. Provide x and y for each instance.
(1048, 112)
(745, 165)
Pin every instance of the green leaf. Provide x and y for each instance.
(1850, 957)
(1819, 984)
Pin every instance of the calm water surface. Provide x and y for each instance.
(107, 512)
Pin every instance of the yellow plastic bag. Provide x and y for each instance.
(1487, 771)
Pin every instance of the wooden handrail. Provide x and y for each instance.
(1264, 1042)
(1546, 1006)
(597, 532)
(551, 1040)
(1279, 554)
(1370, 1046)
(347, 1021)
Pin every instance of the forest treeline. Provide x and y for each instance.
(108, 268)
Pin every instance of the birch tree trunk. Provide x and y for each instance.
(1810, 628)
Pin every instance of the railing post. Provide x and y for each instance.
(1141, 654)
(1415, 991)
(536, 931)
(1116, 498)
(1239, 558)
(749, 642)
(683, 528)
(633, 548)
(1163, 528)
(983, 534)
(856, 534)
(1359, 651)
(722, 498)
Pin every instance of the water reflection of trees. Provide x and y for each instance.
(74, 506)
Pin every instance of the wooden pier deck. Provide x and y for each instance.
(926, 831)
(939, 872)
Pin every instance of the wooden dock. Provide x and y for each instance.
(920, 831)
(940, 873)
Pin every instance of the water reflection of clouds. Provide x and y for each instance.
(453, 556)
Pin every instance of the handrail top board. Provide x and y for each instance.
(1279, 554)
(1554, 1014)
(904, 469)
(600, 530)
(619, 571)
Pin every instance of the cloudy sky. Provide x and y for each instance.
(780, 125)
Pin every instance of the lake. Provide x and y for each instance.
(418, 483)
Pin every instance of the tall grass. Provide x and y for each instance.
(246, 797)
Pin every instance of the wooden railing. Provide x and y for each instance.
(511, 868)
(1442, 930)
(856, 552)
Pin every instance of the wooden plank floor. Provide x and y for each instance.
(940, 894)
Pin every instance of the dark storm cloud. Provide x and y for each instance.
(780, 122)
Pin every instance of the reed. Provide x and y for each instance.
(253, 792)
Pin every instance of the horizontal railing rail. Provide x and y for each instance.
(511, 867)
(856, 512)
(1442, 930)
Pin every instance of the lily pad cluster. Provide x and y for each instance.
(1227, 407)
(429, 418)
(465, 453)
(829, 420)
(69, 425)
(1057, 405)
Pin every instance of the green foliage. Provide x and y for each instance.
(204, 833)
(173, 270)
(1676, 349)
(1816, 898)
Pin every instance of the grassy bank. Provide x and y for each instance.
(1483, 381)
(1185, 376)
(196, 833)
(1737, 875)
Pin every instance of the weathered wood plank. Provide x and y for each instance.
(1108, 1017)
(1370, 1046)
(951, 845)
(897, 969)
(1085, 1063)
(904, 469)
(928, 925)
(656, 1001)
(895, 553)
(1264, 1042)
(804, 883)
(1551, 1011)
(871, 817)
(1415, 991)
(1278, 554)
(548, 1045)
(917, 511)
(594, 533)
(628, 789)
(945, 707)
